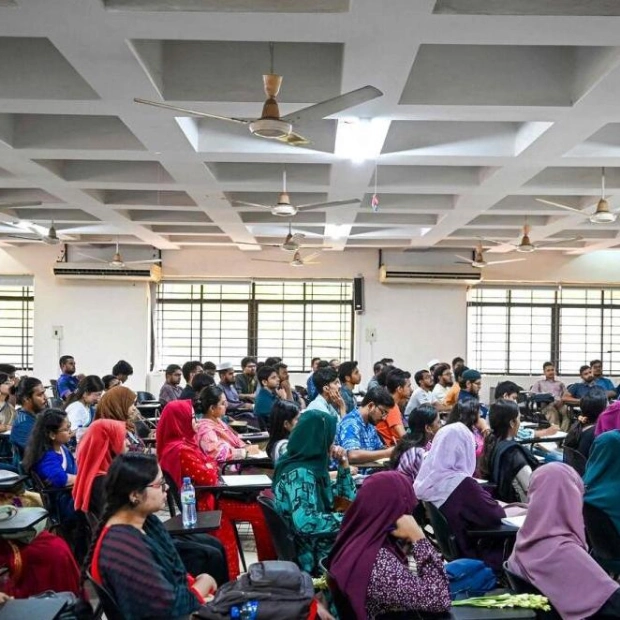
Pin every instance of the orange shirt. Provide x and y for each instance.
(385, 428)
(453, 395)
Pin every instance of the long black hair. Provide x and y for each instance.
(501, 413)
(419, 419)
(208, 397)
(465, 411)
(88, 385)
(281, 412)
(49, 421)
(128, 473)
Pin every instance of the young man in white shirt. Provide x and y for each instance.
(423, 394)
(443, 379)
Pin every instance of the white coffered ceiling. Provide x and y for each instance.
(487, 105)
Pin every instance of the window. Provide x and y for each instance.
(222, 321)
(16, 324)
(517, 330)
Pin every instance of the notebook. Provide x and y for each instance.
(514, 521)
(261, 454)
(247, 481)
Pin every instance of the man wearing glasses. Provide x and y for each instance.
(356, 432)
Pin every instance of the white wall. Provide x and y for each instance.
(105, 321)
(102, 321)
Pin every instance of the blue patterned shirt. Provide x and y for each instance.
(355, 434)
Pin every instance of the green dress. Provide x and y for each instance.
(298, 501)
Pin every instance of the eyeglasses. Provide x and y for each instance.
(161, 484)
(64, 430)
(384, 412)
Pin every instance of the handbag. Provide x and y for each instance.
(469, 578)
(74, 608)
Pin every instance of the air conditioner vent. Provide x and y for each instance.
(429, 275)
(90, 271)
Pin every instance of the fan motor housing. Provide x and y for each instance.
(271, 128)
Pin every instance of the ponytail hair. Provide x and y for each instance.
(501, 413)
(415, 437)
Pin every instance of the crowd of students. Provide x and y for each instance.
(320, 440)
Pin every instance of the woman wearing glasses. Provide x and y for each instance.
(134, 557)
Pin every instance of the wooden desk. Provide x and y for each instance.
(207, 521)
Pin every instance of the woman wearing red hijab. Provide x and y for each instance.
(103, 440)
(179, 456)
(369, 559)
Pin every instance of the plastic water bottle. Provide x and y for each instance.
(188, 503)
(79, 433)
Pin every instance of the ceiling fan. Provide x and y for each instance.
(284, 208)
(37, 233)
(602, 213)
(298, 260)
(525, 244)
(290, 244)
(478, 261)
(271, 125)
(117, 259)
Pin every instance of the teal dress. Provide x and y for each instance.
(299, 501)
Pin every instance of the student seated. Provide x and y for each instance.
(602, 477)
(581, 435)
(31, 396)
(551, 550)
(507, 463)
(446, 480)
(468, 412)
(214, 437)
(410, 451)
(47, 455)
(80, 405)
(180, 457)
(304, 493)
(284, 417)
(134, 557)
(120, 404)
(103, 440)
(357, 432)
(369, 561)
(609, 420)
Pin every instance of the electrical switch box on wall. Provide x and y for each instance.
(371, 334)
(57, 332)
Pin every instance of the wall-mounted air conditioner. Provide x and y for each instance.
(97, 271)
(430, 275)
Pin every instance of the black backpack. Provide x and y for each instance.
(281, 589)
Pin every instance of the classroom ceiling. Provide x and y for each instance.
(487, 105)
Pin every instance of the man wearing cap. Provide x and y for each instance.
(470, 383)
(227, 382)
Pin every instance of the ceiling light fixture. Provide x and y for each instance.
(360, 139)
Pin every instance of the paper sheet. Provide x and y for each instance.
(247, 481)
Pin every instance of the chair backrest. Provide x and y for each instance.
(446, 540)
(142, 397)
(173, 497)
(575, 459)
(522, 586)
(49, 497)
(602, 533)
(108, 603)
(283, 539)
(339, 598)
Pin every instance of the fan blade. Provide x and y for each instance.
(496, 241)
(323, 205)
(499, 262)
(35, 239)
(546, 243)
(306, 263)
(175, 108)
(294, 139)
(328, 107)
(14, 205)
(464, 259)
(297, 237)
(307, 259)
(267, 260)
(562, 206)
(140, 262)
(98, 260)
(252, 204)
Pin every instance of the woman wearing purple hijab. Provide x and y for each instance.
(369, 559)
(609, 420)
(446, 480)
(551, 551)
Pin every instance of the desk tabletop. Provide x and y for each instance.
(9, 483)
(559, 436)
(206, 521)
(240, 482)
(501, 531)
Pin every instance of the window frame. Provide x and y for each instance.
(25, 301)
(253, 302)
(608, 302)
